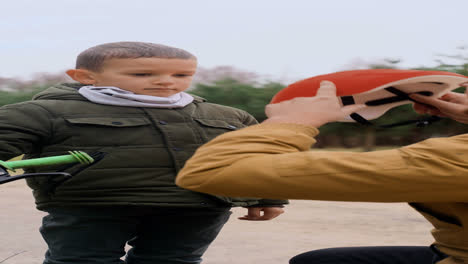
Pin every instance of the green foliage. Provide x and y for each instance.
(19, 96)
(239, 95)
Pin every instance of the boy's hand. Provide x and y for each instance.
(254, 213)
(316, 111)
(451, 105)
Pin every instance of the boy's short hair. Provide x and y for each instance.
(94, 57)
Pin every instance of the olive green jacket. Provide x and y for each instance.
(432, 175)
(141, 149)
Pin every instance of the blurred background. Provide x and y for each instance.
(247, 49)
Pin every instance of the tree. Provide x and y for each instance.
(233, 93)
(11, 97)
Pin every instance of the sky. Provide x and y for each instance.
(286, 40)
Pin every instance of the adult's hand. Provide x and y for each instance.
(451, 105)
(255, 213)
(315, 111)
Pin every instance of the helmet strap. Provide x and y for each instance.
(400, 96)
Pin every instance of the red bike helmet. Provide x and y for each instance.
(379, 89)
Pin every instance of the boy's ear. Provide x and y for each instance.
(82, 76)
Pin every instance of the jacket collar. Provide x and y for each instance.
(69, 91)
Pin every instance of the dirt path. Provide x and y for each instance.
(306, 225)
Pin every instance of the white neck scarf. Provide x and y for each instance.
(110, 95)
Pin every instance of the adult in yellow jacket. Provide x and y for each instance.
(272, 160)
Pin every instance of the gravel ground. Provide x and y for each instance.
(306, 225)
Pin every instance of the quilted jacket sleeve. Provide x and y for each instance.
(249, 120)
(24, 127)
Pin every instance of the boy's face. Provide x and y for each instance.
(148, 76)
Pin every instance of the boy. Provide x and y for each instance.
(129, 106)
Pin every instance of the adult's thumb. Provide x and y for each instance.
(327, 88)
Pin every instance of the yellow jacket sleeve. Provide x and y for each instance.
(275, 161)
